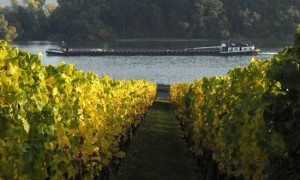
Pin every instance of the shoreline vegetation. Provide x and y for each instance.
(161, 40)
(195, 40)
(126, 19)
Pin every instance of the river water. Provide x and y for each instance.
(159, 69)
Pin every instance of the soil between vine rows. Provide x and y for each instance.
(158, 150)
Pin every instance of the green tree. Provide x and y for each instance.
(262, 18)
(205, 16)
(104, 19)
(81, 20)
(297, 38)
(36, 23)
(49, 8)
(6, 32)
(174, 18)
(34, 5)
(29, 19)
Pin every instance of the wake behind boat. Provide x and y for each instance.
(227, 48)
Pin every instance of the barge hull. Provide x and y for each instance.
(146, 53)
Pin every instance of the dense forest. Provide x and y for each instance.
(111, 19)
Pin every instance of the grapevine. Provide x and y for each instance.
(58, 122)
(246, 122)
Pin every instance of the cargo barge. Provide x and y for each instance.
(227, 48)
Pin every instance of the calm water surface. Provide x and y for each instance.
(159, 69)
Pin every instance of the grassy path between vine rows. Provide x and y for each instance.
(158, 150)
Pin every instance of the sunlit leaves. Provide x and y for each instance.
(248, 120)
(58, 121)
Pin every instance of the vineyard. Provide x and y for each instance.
(245, 124)
(57, 122)
(60, 123)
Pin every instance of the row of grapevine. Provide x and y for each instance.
(248, 122)
(58, 122)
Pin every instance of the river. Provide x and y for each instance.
(159, 69)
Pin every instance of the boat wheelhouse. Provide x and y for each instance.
(229, 47)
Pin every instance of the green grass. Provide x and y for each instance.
(157, 150)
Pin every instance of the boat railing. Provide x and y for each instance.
(203, 48)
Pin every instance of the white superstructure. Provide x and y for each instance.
(236, 47)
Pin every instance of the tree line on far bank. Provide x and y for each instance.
(92, 20)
